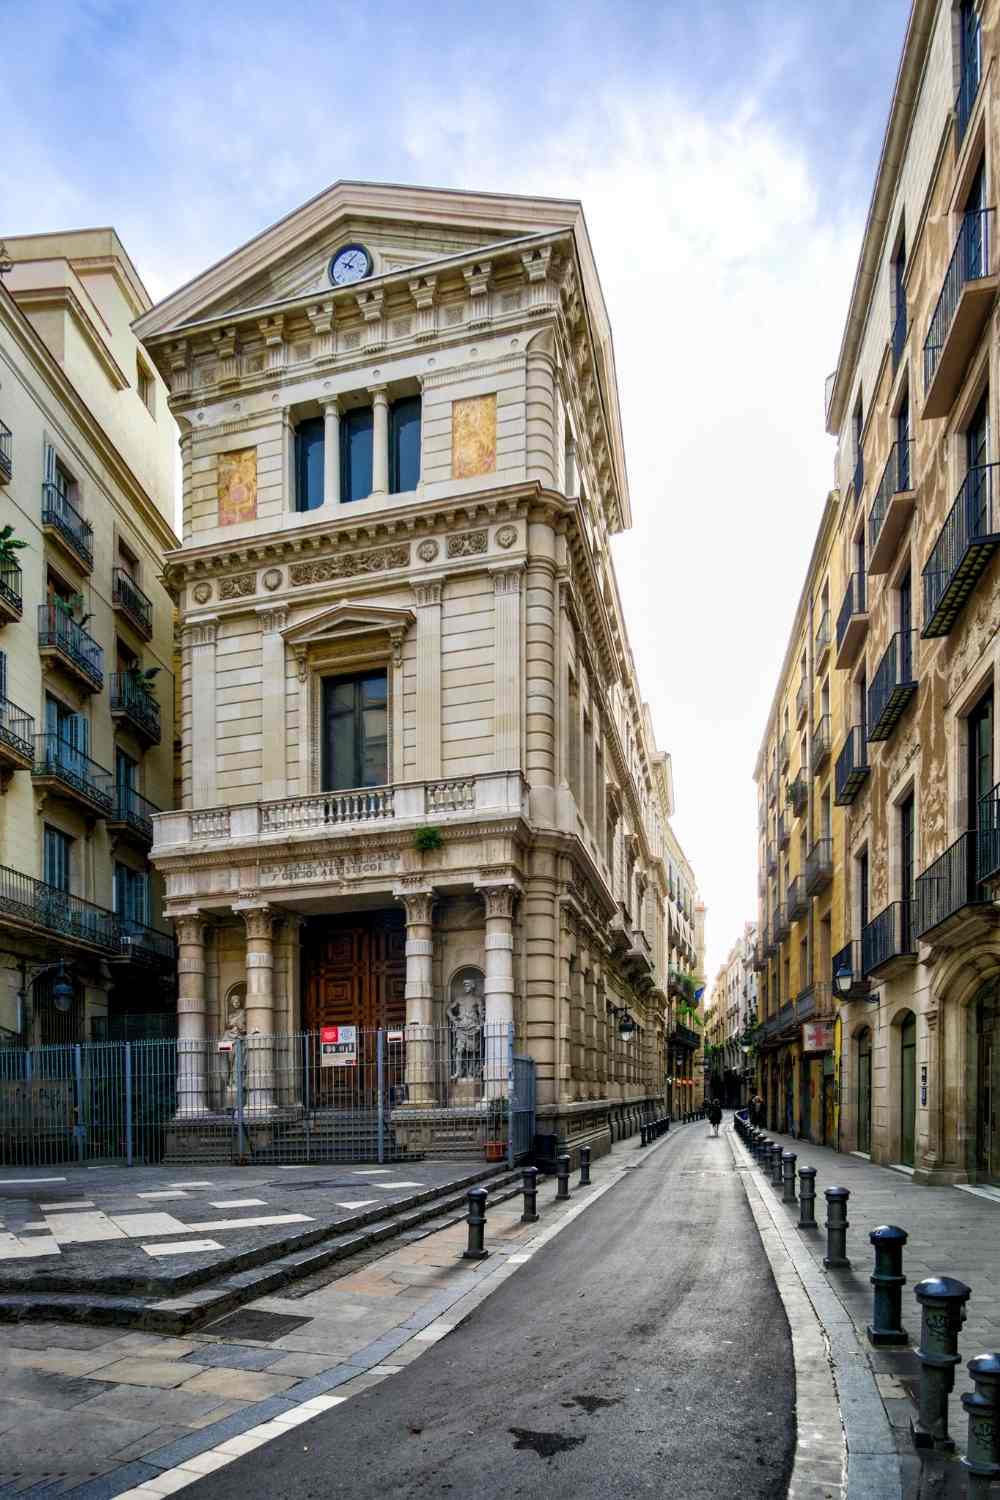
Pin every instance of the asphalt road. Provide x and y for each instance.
(643, 1351)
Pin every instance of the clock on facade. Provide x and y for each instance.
(351, 263)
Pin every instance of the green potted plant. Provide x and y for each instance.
(10, 546)
(427, 839)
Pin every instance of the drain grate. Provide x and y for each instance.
(252, 1324)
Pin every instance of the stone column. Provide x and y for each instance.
(419, 906)
(499, 985)
(380, 440)
(191, 1049)
(331, 452)
(259, 1072)
(273, 619)
(508, 658)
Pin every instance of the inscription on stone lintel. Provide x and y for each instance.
(337, 867)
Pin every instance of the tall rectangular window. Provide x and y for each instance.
(404, 445)
(356, 449)
(906, 628)
(857, 431)
(356, 741)
(899, 299)
(309, 449)
(864, 914)
(131, 891)
(903, 440)
(979, 776)
(907, 867)
(56, 855)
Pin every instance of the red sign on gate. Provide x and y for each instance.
(338, 1046)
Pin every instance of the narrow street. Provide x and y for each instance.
(642, 1351)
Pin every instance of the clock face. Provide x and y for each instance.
(352, 263)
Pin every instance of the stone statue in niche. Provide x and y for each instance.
(236, 1030)
(465, 1024)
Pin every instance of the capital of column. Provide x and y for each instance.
(190, 928)
(499, 900)
(259, 920)
(330, 405)
(379, 395)
(418, 906)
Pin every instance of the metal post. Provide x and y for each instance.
(476, 1220)
(643, 1136)
(942, 1313)
(981, 1456)
(788, 1160)
(764, 1155)
(807, 1198)
(510, 1094)
(886, 1326)
(80, 1129)
(238, 1063)
(562, 1178)
(776, 1155)
(129, 1161)
(380, 1081)
(837, 1226)
(529, 1187)
(584, 1166)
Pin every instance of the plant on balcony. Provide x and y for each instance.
(426, 839)
(10, 545)
(72, 608)
(141, 678)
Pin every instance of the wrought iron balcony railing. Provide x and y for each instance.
(822, 636)
(965, 544)
(798, 793)
(132, 700)
(888, 938)
(57, 630)
(801, 701)
(852, 767)
(780, 925)
(17, 734)
(970, 261)
(41, 905)
(144, 945)
(783, 752)
(6, 453)
(62, 515)
(821, 740)
(784, 831)
(798, 898)
(819, 865)
(846, 964)
(948, 886)
(900, 328)
(128, 597)
(771, 859)
(58, 761)
(11, 591)
(988, 853)
(772, 785)
(134, 811)
(852, 620)
(893, 685)
(897, 479)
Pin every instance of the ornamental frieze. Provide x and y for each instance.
(467, 543)
(239, 587)
(350, 564)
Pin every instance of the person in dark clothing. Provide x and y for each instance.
(715, 1116)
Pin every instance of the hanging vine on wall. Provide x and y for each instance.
(426, 839)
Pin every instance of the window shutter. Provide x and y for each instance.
(49, 463)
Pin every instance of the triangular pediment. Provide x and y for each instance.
(343, 620)
(401, 227)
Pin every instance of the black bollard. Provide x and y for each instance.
(584, 1166)
(982, 1458)
(764, 1154)
(788, 1160)
(529, 1187)
(942, 1313)
(776, 1155)
(837, 1226)
(476, 1220)
(886, 1327)
(807, 1198)
(562, 1178)
(643, 1138)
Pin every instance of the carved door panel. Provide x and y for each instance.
(337, 988)
(388, 975)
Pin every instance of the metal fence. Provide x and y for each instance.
(340, 1094)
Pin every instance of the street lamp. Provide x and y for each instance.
(63, 991)
(626, 1025)
(843, 979)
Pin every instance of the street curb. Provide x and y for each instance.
(191, 1457)
(841, 1421)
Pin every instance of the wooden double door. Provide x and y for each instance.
(354, 971)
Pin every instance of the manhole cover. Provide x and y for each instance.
(250, 1324)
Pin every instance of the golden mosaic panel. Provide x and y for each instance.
(473, 436)
(237, 486)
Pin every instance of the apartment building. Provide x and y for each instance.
(419, 785)
(801, 859)
(87, 448)
(731, 1022)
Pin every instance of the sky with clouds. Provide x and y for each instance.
(724, 155)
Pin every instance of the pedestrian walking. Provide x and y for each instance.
(715, 1116)
(756, 1110)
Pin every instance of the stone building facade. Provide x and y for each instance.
(87, 447)
(414, 755)
(730, 1023)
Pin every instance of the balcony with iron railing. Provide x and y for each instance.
(852, 767)
(891, 508)
(821, 743)
(772, 785)
(11, 592)
(852, 622)
(893, 686)
(63, 522)
(784, 831)
(822, 639)
(128, 599)
(949, 904)
(33, 904)
(132, 703)
(965, 544)
(64, 643)
(797, 899)
(784, 751)
(900, 328)
(132, 816)
(780, 924)
(6, 454)
(801, 701)
(819, 866)
(967, 294)
(69, 774)
(771, 859)
(887, 943)
(798, 793)
(17, 739)
(846, 965)
(988, 851)
(138, 944)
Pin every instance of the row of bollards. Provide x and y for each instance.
(692, 1114)
(476, 1200)
(942, 1302)
(653, 1129)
